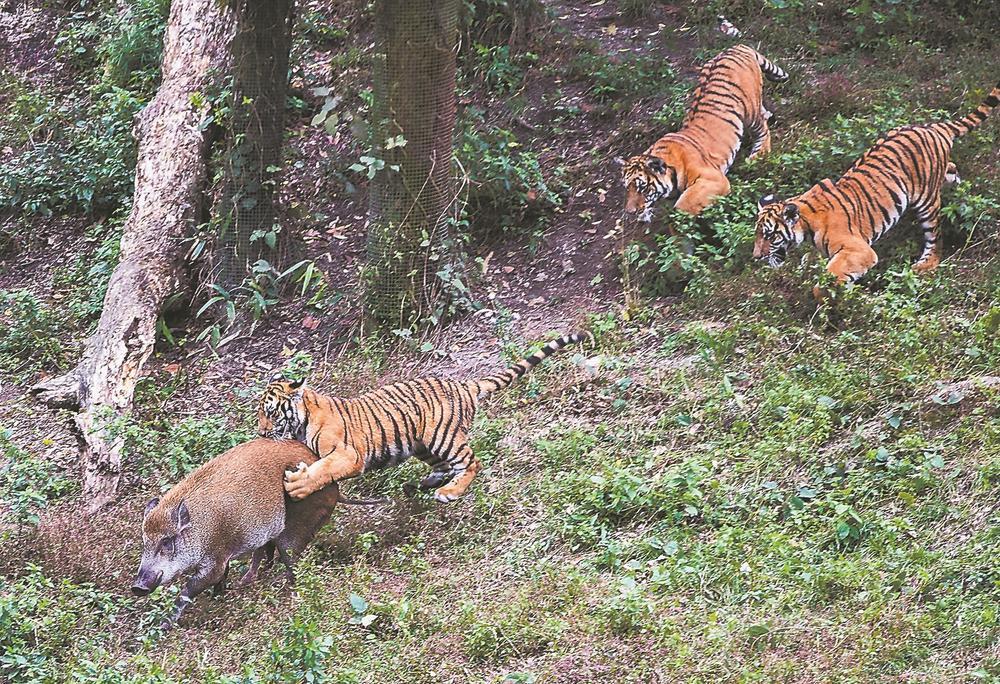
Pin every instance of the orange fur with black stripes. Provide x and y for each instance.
(691, 164)
(427, 418)
(904, 171)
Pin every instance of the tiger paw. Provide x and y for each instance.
(444, 498)
(447, 494)
(298, 484)
(297, 474)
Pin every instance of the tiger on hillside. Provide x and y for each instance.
(428, 418)
(904, 170)
(691, 164)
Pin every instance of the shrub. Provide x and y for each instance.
(29, 334)
(507, 186)
(28, 482)
(85, 163)
(42, 622)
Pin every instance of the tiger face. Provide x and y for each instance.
(281, 413)
(779, 227)
(646, 179)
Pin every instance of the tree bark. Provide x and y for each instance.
(412, 198)
(169, 180)
(260, 84)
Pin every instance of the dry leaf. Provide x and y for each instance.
(172, 368)
(310, 322)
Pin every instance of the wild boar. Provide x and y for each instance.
(232, 505)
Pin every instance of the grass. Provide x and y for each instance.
(751, 490)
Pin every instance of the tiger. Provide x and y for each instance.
(904, 170)
(691, 164)
(428, 418)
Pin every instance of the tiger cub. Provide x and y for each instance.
(691, 164)
(904, 170)
(428, 418)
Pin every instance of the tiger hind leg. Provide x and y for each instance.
(464, 468)
(929, 218)
(441, 471)
(762, 145)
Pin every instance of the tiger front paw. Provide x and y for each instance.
(298, 482)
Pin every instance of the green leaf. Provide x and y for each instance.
(358, 604)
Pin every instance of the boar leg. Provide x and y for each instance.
(265, 554)
(219, 588)
(286, 558)
(206, 576)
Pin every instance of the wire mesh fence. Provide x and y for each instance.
(244, 214)
(412, 197)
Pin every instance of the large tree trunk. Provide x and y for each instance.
(260, 84)
(169, 181)
(411, 199)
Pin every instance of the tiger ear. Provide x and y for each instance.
(764, 201)
(297, 384)
(276, 376)
(656, 165)
(791, 213)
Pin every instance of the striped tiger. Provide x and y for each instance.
(691, 164)
(903, 171)
(428, 418)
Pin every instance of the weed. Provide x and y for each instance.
(27, 482)
(506, 182)
(30, 334)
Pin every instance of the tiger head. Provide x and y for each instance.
(281, 413)
(647, 179)
(779, 227)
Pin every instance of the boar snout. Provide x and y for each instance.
(146, 582)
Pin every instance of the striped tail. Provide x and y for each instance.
(490, 384)
(973, 119)
(771, 71)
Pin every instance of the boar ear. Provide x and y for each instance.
(182, 518)
(150, 506)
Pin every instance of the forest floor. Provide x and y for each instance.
(729, 485)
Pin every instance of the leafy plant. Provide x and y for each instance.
(506, 182)
(30, 334)
(28, 482)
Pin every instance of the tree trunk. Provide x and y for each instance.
(413, 196)
(169, 180)
(260, 84)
